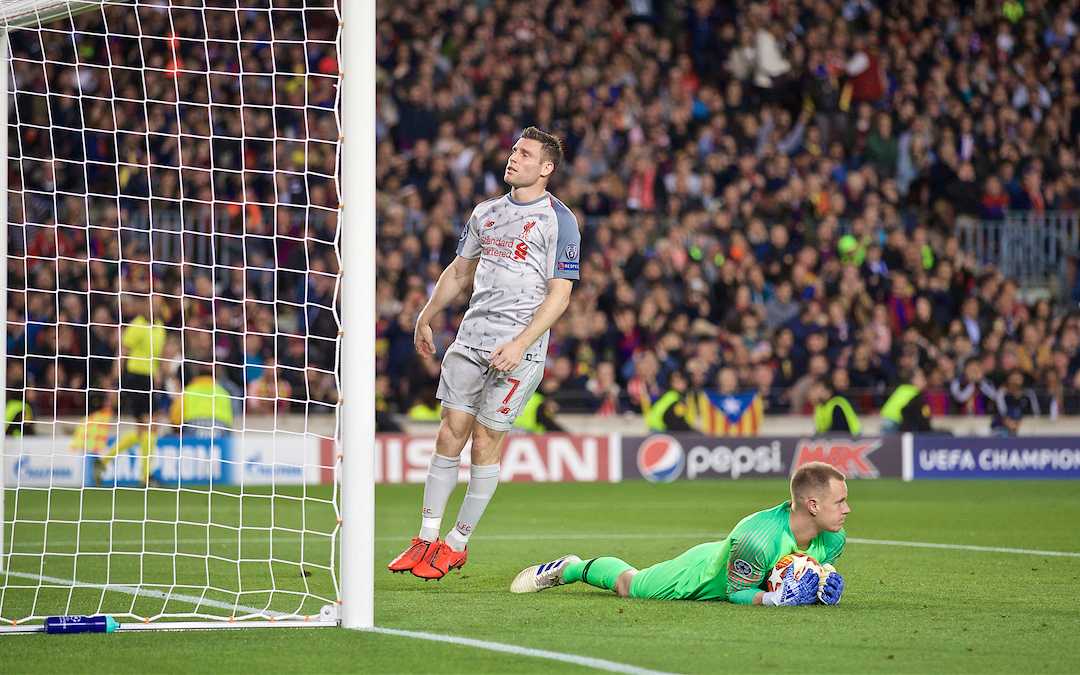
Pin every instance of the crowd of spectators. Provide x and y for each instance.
(771, 187)
(186, 154)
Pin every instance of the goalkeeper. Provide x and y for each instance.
(736, 568)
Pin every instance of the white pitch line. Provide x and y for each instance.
(144, 592)
(962, 547)
(588, 661)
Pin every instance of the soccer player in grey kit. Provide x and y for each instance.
(520, 251)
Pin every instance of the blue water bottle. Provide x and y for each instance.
(81, 624)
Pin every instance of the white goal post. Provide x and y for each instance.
(192, 181)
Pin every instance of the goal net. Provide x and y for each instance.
(172, 311)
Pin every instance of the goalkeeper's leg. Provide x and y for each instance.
(602, 573)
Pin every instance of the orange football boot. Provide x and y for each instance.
(443, 560)
(420, 550)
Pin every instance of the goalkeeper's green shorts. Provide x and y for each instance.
(686, 577)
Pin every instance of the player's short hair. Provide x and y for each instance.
(551, 150)
(812, 479)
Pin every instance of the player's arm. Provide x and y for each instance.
(455, 278)
(507, 356)
(748, 563)
(750, 559)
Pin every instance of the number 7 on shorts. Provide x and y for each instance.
(512, 389)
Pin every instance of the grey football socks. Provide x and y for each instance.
(442, 478)
(482, 483)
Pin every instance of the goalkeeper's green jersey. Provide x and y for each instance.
(736, 568)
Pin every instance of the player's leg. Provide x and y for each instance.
(135, 401)
(608, 573)
(505, 395)
(600, 572)
(686, 577)
(460, 386)
(483, 480)
(442, 477)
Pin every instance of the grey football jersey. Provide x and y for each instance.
(520, 247)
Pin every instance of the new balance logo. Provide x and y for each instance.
(504, 411)
(489, 223)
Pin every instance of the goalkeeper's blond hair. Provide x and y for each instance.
(812, 480)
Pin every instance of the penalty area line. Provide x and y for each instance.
(587, 661)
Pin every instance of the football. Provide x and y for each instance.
(801, 562)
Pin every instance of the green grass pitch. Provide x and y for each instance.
(905, 609)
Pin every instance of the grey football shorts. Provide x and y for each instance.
(496, 398)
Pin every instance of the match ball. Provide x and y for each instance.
(802, 563)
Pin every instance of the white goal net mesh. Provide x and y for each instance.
(172, 314)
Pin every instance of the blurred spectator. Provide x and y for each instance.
(269, 393)
(971, 392)
(907, 409)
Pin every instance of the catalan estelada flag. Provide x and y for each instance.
(729, 414)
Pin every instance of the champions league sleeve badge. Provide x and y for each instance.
(742, 568)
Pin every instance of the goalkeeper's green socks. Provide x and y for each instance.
(599, 572)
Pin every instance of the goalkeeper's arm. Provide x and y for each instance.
(747, 565)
